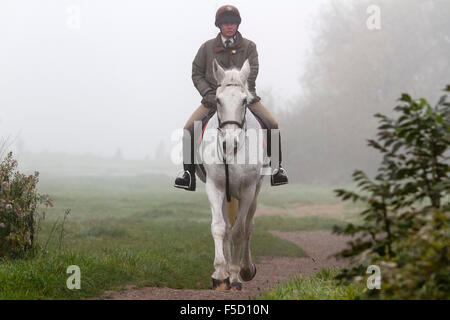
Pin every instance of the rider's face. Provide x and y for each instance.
(228, 29)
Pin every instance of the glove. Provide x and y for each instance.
(209, 101)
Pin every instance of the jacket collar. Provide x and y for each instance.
(219, 46)
(232, 39)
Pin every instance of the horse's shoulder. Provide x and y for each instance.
(213, 122)
(251, 121)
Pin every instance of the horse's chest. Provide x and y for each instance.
(239, 176)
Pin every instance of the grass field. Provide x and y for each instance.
(139, 230)
(320, 286)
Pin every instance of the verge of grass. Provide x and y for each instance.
(296, 194)
(320, 286)
(132, 230)
(149, 252)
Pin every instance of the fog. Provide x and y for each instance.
(120, 75)
(113, 78)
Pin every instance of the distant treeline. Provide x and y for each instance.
(354, 72)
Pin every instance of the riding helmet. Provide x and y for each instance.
(227, 13)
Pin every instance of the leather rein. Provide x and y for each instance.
(221, 125)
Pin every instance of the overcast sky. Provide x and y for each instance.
(123, 78)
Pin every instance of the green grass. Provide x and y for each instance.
(146, 253)
(320, 286)
(139, 230)
(294, 194)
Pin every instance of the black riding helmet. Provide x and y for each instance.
(227, 13)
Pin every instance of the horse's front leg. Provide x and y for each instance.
(227, 238)
(220, 276)
(238, 235)
(248, 269)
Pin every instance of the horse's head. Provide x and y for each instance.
(232, 97)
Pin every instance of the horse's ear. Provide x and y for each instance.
(245, 71)
(219, 73)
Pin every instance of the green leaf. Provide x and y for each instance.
(405, 97)
(439, 118)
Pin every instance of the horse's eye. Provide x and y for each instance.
(244, 102)
(218, 101)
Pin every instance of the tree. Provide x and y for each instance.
(118, 155)
(405, 203)
(353, 73)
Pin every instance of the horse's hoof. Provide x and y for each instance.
(236, 286)
(248, 274)
(221, 284)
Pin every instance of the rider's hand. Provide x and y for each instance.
(209, 101)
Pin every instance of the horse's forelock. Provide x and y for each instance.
(233, 77)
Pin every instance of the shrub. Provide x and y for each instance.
(19, 203)
(405, 229)
(420, 269)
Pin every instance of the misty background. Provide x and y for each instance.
(90, 84)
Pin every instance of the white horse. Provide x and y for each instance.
(232, 218)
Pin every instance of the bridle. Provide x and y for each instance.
(239, 124)
(219, 128)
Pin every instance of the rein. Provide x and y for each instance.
(224, 158)
(227, 175)
(224, 146)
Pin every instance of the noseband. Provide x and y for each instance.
(239, 124)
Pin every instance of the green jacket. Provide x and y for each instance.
(231, 57)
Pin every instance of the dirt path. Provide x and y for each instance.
(319, 245)
(335, 211)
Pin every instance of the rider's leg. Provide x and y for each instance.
(279, 175)
(187, 179)
(261, 112)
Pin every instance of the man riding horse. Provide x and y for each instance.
(231, 50)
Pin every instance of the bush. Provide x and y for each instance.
(19, 202)
(405, 229)
(420, 269)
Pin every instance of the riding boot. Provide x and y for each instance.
(279, 175)
(186, 180)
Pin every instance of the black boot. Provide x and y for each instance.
(187, 179)
(279, 175)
